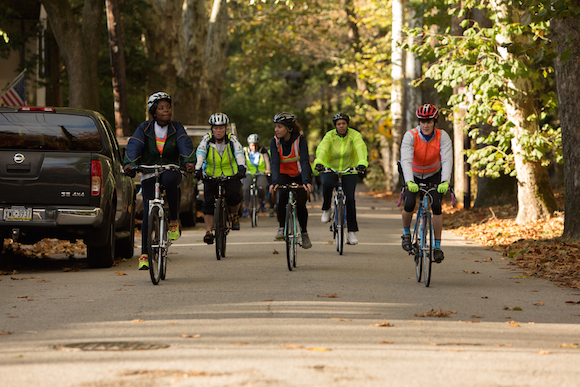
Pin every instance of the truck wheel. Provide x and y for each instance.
(104, 256)
(126, 246)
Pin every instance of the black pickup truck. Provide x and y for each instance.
(61, 177)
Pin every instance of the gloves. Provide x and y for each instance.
(241, 172)
(413, 187)
(129, 171)
(443, 187)
(361, 169)
(198, 174)
(319, 167)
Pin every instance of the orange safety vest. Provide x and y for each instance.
(290, 164)
(427, 154)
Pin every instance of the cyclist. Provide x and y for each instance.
(257, 161)
(290, 164)
(340, 149)
(159, 141)
(220, 154)
(426, 157)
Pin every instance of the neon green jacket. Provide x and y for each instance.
(341, 153)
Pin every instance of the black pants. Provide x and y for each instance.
(170, 180)
(410, 198)
(329, 181)
(232, 194)
(282, 201)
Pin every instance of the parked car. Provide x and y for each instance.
(61, 177)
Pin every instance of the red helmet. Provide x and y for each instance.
(427, 112)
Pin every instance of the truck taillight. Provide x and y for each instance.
(96, 178)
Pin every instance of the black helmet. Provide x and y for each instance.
(340, 116)
(286, 119)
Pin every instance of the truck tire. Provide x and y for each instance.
(104, 255)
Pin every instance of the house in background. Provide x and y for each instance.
(31, 46)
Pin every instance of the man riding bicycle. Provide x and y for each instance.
(340, 149)
(426, 157)
(159, 141)
(220, 154)
(257, 161)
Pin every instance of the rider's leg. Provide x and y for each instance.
(208, 206)
(410, 199)
(329, 181)
(171, 180)
(349, 187)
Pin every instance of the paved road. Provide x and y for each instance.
(334, 321)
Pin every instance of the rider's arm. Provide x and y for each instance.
(238, 151)
(323, 148)
(201, 152)
(135, 146)
(407, 152)
(274, 161)
(360, 148)
(446, 156)
(304, 160)
(185, 146)
(266, 161)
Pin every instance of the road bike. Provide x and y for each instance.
(338, 216)
(423, 240)
(222, 223)
(254, 198)
(292, 231)
(158, 227)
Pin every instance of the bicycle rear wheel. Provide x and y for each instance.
(154, 250)
(291, 241)
(340, 226)
(427, 249)
(219, 228)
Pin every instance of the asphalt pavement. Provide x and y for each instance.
(360, 319)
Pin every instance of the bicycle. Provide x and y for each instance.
(221, 220)
(254, 198)
(338, 216)
(292, 231)
(422, 240)
(158, 228)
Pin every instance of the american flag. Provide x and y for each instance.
(16, 95)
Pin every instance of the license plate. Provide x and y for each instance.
(18, 213)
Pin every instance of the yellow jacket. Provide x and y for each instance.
(341, 153)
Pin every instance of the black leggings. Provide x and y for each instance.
(282, 200)
(410, 198)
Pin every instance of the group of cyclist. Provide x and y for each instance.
(426, 157)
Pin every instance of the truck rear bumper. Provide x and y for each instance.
(59, 217)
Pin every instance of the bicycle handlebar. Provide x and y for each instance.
(328, 169)
(426, 188)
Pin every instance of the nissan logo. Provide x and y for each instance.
(18, 158)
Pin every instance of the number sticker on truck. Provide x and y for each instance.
(18, 213)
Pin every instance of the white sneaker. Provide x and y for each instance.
(325, 216)
(351, 238)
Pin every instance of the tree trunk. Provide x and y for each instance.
(79, 47)
(535, 196)
(397, 91)
(568, 87)
(215, 58)
(117, 52)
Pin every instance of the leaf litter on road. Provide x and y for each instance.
(436, 313)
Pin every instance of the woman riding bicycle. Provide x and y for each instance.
(220, 154)
(159, 141)
(340, 149)
(426, 157)
(257, 161)
(290, 164)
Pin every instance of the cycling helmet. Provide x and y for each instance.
(340, 116)
(154, 100)
(427, 112)
(253, 139)
(286, 119)
(218, 119)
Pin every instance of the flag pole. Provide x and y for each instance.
(13, 82)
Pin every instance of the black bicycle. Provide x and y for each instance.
(221, 219)
(292, 232)
(254, 197)
(338, 217)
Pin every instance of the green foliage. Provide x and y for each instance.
(478, 59)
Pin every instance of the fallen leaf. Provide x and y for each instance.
(22, 297)
(384, 324)
(137, 320)
(329, 295)
(5, 333)
(572, 302)
(129, 285)
(484, 297)
(474, 316)
(339, 319)
(40, 281)
(293, 346)
(238, 342)
(275, 252)
(269, 300)
(513, 324)
(436, 313)
(120, 273)
(470, 272)
(189, 336)
(328, 243)
(539, 303)
(318, 349)
(566, 345)
(12, 316)
(544, 353)
(487, 260)
(386, 342)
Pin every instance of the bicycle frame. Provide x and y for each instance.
(292, 232)
(221, 221)
(338, 217)
(253, 191)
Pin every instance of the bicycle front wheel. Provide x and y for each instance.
(339, 226)
(219, 227)
(254, 206)
(291, 236)
(427, 249)
(154, 249)
(164, 250)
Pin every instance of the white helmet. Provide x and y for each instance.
(253, 139)
(156, 97)
(218, 119)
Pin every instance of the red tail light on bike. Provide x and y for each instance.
(96, 178)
